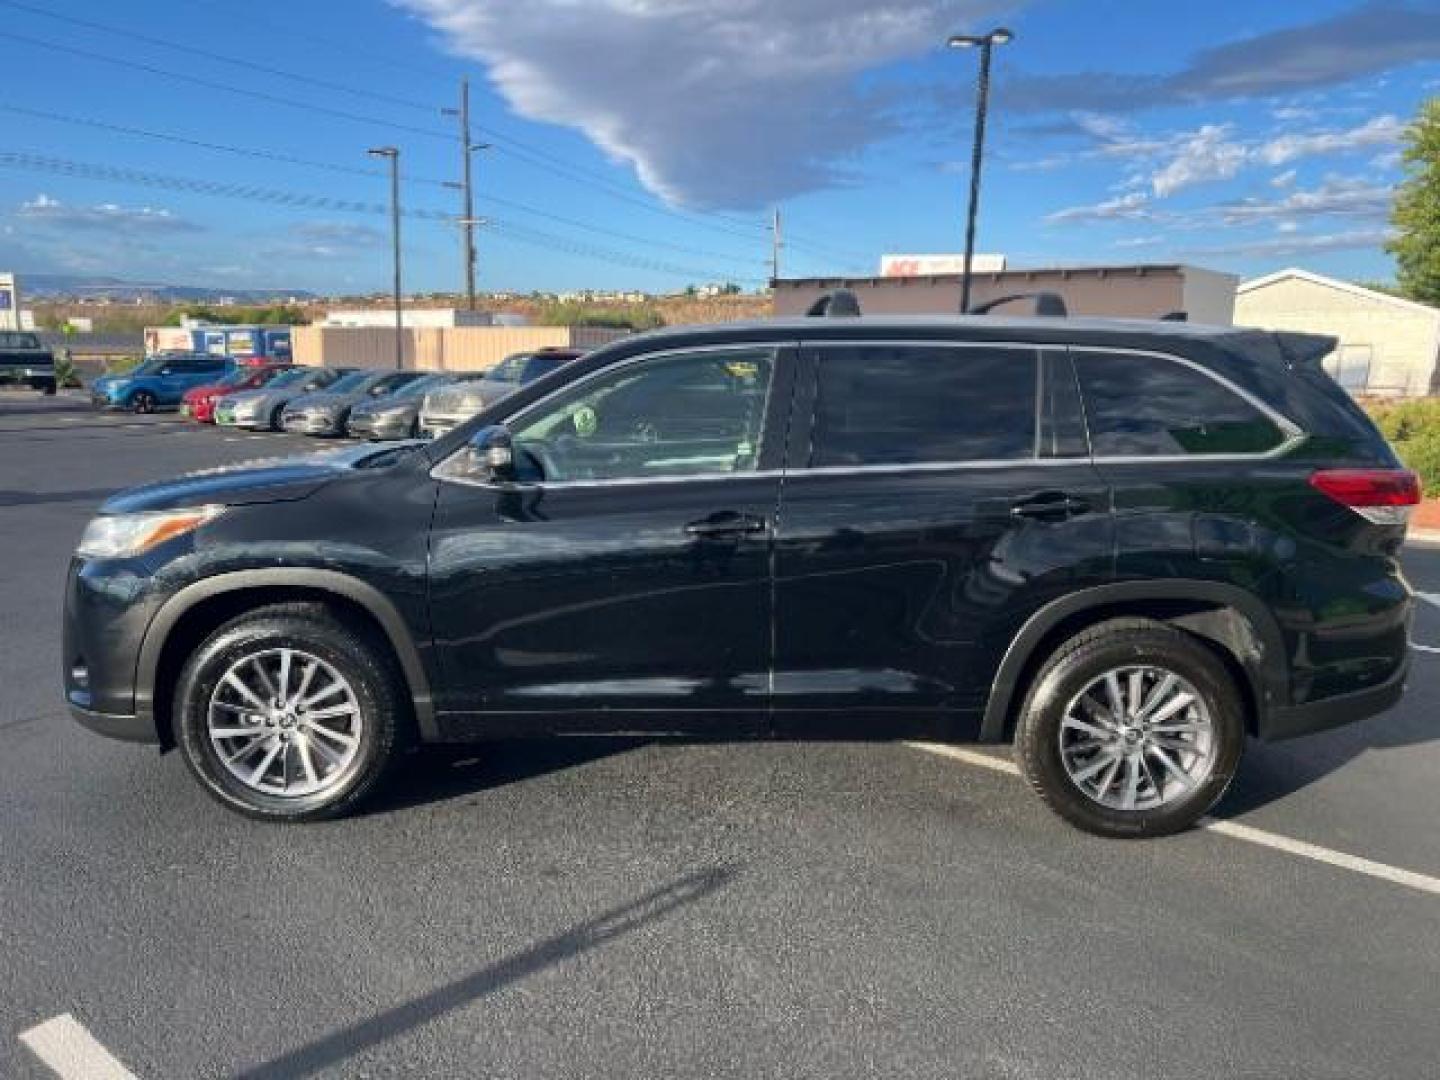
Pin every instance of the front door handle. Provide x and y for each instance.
(724, 524)
(1050, 506)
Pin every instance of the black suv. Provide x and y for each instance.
(1123, 545)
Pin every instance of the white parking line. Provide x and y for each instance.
(1430, 597)
(1233, 829)
(72, 1052)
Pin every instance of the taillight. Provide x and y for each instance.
(1384, 496)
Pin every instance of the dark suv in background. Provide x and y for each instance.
(1125, 546)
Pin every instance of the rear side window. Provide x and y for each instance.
(1148, 406)
(905, 405)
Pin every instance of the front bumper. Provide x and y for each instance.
(25, 374)
(126, 728)
(432, 427)
(310, 424)
(371, 427)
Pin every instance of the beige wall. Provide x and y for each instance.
(1402, 341)
(462, 348)
(1122, 292)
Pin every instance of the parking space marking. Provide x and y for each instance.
(71, 1052)
(1430, 597)
(1233, 829)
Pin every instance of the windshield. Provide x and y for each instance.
(149, 367)
(420, 387)
(290, 377)
(348, 383)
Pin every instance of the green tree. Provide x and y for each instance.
(1416, 214)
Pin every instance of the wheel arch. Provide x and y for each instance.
(196, 610)
(1234, 623)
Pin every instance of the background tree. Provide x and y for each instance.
(1416, 214)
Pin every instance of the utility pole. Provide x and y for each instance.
(986, 44)
(393, 155)
(466, 186)
(776, 243)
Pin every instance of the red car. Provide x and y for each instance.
(199, 402)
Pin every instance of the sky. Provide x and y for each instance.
(645, 143)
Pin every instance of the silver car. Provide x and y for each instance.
(452, 405)
(393, 416)
(261, 409)
(326, 411)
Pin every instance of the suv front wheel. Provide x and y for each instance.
(288, 715)
(1132, 728)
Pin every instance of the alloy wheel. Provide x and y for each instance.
(285, 722)
(1138, 737)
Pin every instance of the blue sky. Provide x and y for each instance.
(642, 143)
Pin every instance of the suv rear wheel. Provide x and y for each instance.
(287, 715)
(143, 402)
(1132, 728)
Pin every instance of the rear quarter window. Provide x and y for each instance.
(1140, 405)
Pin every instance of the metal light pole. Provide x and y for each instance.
(985, 43)
(393, 154)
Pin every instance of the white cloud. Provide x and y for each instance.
(1336, 197)
(1207, 155)
(1352, 240)
(1378, 131)
(105, 217)
(1285, 179)
(732, 104)
(1139, 241)
(1130, 207)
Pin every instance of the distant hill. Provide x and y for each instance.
(51, 286)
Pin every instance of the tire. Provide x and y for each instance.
(143, 402)
(346, 772)
(1062, 735)
(47, 388)
(275, 417)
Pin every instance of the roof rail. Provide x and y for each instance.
(1047, 304)
(838, 304)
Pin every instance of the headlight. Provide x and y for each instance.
(122, 536)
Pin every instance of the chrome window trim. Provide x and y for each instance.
(1294, 434)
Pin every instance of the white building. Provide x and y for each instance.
(1388, 345)
(411, 318)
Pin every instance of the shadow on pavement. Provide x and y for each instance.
(44, 498)
(1271, 771)
(590, 934)
(440, 772)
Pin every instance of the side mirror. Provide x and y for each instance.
(492, 454)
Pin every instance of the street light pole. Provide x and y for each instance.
(986, 44)
(393, 154)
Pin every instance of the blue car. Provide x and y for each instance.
(159, 382)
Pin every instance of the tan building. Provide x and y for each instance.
(1136, 292)
(1387, 345)
(457, 348)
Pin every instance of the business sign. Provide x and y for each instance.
(241, 343)
(925, 265)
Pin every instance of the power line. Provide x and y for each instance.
(331, 166)
(210, 55)
(274, 196)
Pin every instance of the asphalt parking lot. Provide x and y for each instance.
(619, 908)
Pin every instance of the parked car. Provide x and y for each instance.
(453, 405)
(199, 402)
(262, 409)
(1121, 545)
(396, 415)
(325, 411)
(24, 360)
(158, 383)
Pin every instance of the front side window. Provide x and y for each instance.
(913, 404)
(1148, 406)
(687, 414)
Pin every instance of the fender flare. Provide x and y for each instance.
(1266, 670)
(396, 631)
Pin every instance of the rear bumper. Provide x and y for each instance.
(1288, 721)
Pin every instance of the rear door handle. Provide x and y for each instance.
(1050, 506)
(726, 523)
